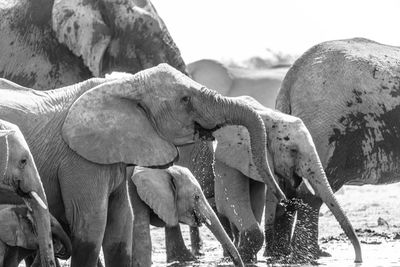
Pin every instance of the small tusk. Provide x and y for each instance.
(214, 145)
(308, 185)
(208, 221)
(38, 199)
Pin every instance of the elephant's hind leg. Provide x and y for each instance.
(117, 243)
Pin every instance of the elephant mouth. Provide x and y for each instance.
(21, 192)
(289, 184)
(204, 134)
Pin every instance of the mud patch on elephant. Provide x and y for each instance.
(367, 148)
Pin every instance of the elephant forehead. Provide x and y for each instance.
(234, 150)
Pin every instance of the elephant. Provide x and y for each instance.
(172, 195)
(18, 174)
(261, 84)
(198, 158)
(294, 161)
(18, 238)
(84, 136)
(54, 43)
(346, 92)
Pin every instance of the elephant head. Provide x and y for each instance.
(293, 155)
(115, 35)
(18, 230)
(150, 113)
(176, 196)
(19, 174)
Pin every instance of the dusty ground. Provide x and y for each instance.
(373, 210)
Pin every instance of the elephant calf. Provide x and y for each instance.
(18, 174)
(174, 195)
(18, 237)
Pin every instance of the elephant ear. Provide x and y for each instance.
(234, 150)
(79, 25)
(109, 124)
(156, 188)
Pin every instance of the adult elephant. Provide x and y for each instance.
(294, 161)
(347, 94)
(83, 136)
(261, 84)
(18, 174)
(48, 44)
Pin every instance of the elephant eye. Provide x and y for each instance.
(22, 163)
(196, 197)
(185, 99)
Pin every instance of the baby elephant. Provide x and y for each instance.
(172, 195)
(18, 237)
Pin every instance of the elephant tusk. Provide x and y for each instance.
(38, 199)
(308, 185)
(214, 145)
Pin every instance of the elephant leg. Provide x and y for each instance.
(195, 241)
(3, 251)
(232, 196)
(257, 198)
(235, 234)
(228, 229)
(141, 242)
(85, 189)
(175, 246)
(305, 239)
(117, 242)
(269, 220)
(279, 222)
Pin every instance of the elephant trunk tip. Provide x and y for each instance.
(358, 252)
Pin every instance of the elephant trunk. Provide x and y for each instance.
(319, 182)
(61, 235)
(237, 112)
(205, 214)
(42, 222)
(36, 200)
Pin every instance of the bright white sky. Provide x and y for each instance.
(225, 29)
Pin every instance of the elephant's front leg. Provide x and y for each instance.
(117, 243)
(175, 246)
(85, 189)
(232, 197)
(195, 241)
(141, 246)
(305, 239)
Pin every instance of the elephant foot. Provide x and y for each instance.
(247, 256)
(181, 255)
(196, 251)
(250, 242)
(196, 242)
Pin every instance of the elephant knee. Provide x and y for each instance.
(250, 242)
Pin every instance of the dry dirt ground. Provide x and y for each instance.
(373, 210)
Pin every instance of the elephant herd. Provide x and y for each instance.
(89, 161)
